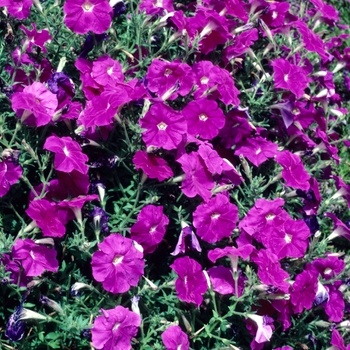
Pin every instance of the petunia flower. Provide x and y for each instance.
(204, 118)
(264, 328)
(303, 290)
(36, 37)
(118, 264)
(10, 173)
(163, 126)
(115, 328)
(35, 258)
(216, 219)
(241, 44)
(17, 275)
(19, 9)
(82, 16)
(175, 339)
(290, 77)
(15, 328)
(197, 179)
(150, 227)
(191, 284)
(293, 171)
(68, 154)
(338, 341)
(328, 267)
(46, 218)
(163, 76)
(270, 271)
(257, 150)
(106, 71)
(35, 105)
(187, 241)
(153, 166)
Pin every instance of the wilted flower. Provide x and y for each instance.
(264, 327)
(115, 328)
(15, 328)
(187, 241)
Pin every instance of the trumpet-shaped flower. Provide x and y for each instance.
(82, 16)
(35, 258)
(175, 339)
(68, 154)
(118, 264)
(10, 173)
(115, 328)
(191, 284)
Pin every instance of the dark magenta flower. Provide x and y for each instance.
(340, 229)
(68, 154)
(303, 290)
(46, 218)
(288, 240)
(36, 37)
(216, 219)
(290, 77)
(153, 166)
(270, 271)
(35, 105)
(204, 118)
(118, 264)
(191, 284)
(115, 328)
(82, 16)
(19, 9)
(163, 76)
(106, 71)
(150, 227)
(18, 275)
(338, 341)
(241, 44)
(293, 171)
(175, 339)
(35, 258)
(163, 126)
(198, 179)
(10, 173)
(328, 267)
(153, 7)
(257, 150)
(335, 306)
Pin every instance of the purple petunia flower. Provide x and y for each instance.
(175, 339)
(204, 118)
(68, 154)
(290, 77)
(153, 166)
(15, 328)
(303, 290)
(163, 126)
(257, 150)
(191, 284)
(198, 179)
(46, 218)
(35, 258)
(187, 241)
(19, 9)
(150, 227)
(118, 264)
(216, 219)
(36, 37)
(35, 105)
(115, 328)
(293, 171)
(10, 173)
(338, 341)
(82, 16)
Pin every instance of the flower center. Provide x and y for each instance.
(87, 6)
(162, 126)
(167, 72)
(115, 327)
(296, 111)
(117, 260)
(215, 215)
(153, 228)
(288, 238)
(327, 271)
(37, 101)
(204, 80)
(285, 77)
(32, 254)
(158, 3)
(258, 151)
(203, 117)
(65, 150)
(274, 14)
(270, 216)
(110, 70)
